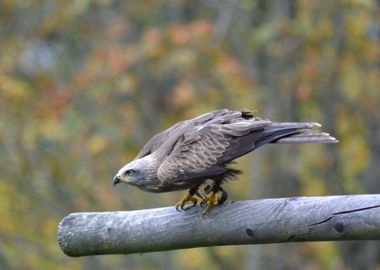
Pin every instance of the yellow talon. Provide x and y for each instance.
(188, 198)
(211, 201)
(217, 197)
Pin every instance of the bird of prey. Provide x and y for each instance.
(201, 149)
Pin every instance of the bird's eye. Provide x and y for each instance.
(129, 172)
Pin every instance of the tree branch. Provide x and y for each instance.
(353, 217)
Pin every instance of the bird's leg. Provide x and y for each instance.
(200, 194)
(212, 199)
(189, 197)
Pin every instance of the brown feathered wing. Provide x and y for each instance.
(203, 151)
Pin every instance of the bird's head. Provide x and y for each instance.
(137, 173)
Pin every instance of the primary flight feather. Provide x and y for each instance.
(193, 151)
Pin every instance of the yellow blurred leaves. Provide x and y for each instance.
(97, 144)
(127, 83)
(7, 193)
(353, 149)
(312, 185)
(326, 255)
(13, 88)
(193, 259)
(314, 159)
(51, 129)
(358, 3)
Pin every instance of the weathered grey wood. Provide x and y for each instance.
(354, 217)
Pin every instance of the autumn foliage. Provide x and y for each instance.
(84, 84)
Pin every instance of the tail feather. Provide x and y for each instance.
(293, 132)
(297, 125)
(308, 137)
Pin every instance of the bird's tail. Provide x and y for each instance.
(293, 132)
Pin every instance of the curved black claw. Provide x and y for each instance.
(189, 197)
(183, 206)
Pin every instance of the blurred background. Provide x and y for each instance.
(85, 83)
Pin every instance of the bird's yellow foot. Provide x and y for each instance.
(189, 197)
(213, 199)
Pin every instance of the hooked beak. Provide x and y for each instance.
(117, 179)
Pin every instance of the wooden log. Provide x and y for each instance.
(298, 219)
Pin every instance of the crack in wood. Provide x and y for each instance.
(344, 212)
(321, 222)
(340, 228)
(297, 235)
(356, 210)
